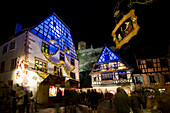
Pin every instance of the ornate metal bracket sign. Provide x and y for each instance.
(123, 35)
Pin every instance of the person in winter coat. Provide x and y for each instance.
(122, 103)
(20, 98)
(135, 105)
(94, 100)
(58, 100)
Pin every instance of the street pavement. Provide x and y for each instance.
(103, 107)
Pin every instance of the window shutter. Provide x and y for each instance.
(156, 78)
(141, 79)
(162, 77)
(148, 79)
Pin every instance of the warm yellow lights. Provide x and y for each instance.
(117, 38)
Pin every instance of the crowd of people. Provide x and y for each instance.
(122, 102)
(16, 99)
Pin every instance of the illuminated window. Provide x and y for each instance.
(40, 65)
(113, 65)
(103, 66)
(122, 75)
(108, 76)
(12, 45)
(45, 47)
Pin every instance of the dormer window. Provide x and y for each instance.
(45, 47)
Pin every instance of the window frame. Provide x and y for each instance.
(5, 50)
(13, 63)
(37, 65)
(45, 47)
(12, 45)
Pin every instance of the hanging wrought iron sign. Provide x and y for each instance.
(125, 29)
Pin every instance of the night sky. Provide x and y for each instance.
(91, 21)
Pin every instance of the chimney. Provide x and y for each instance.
(18, 28)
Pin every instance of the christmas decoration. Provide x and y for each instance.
(131, 29)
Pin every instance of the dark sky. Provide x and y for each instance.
(91, 21)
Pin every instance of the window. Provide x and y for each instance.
(13, 63)
(149, 63)
(113, 65)
(72, 75)
(12, 45)
(107, 76)
(72, 61)
(62, 56)
(164, 62)
(40, 65)
(2, 69)
(94, 79)
(152, 79)
(167, 78)
(103, 66)
(137, 80)
(5, 49)
(122, 75)
(45, 47)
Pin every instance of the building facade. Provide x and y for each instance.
(31, 55)
(155, 71)
(111, 72)
(88, 56)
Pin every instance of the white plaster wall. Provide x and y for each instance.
(11, 54)
(36, 52)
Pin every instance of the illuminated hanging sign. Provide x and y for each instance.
(125, 29)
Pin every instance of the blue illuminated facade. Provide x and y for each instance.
(54, 31)
(106, 55)
(110, 71)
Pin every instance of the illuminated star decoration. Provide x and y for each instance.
(131, 29)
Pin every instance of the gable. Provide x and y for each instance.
(56, 32)
(109, 61)
(107, 55)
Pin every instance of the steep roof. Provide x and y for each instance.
(107, 55)
(53, 29)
